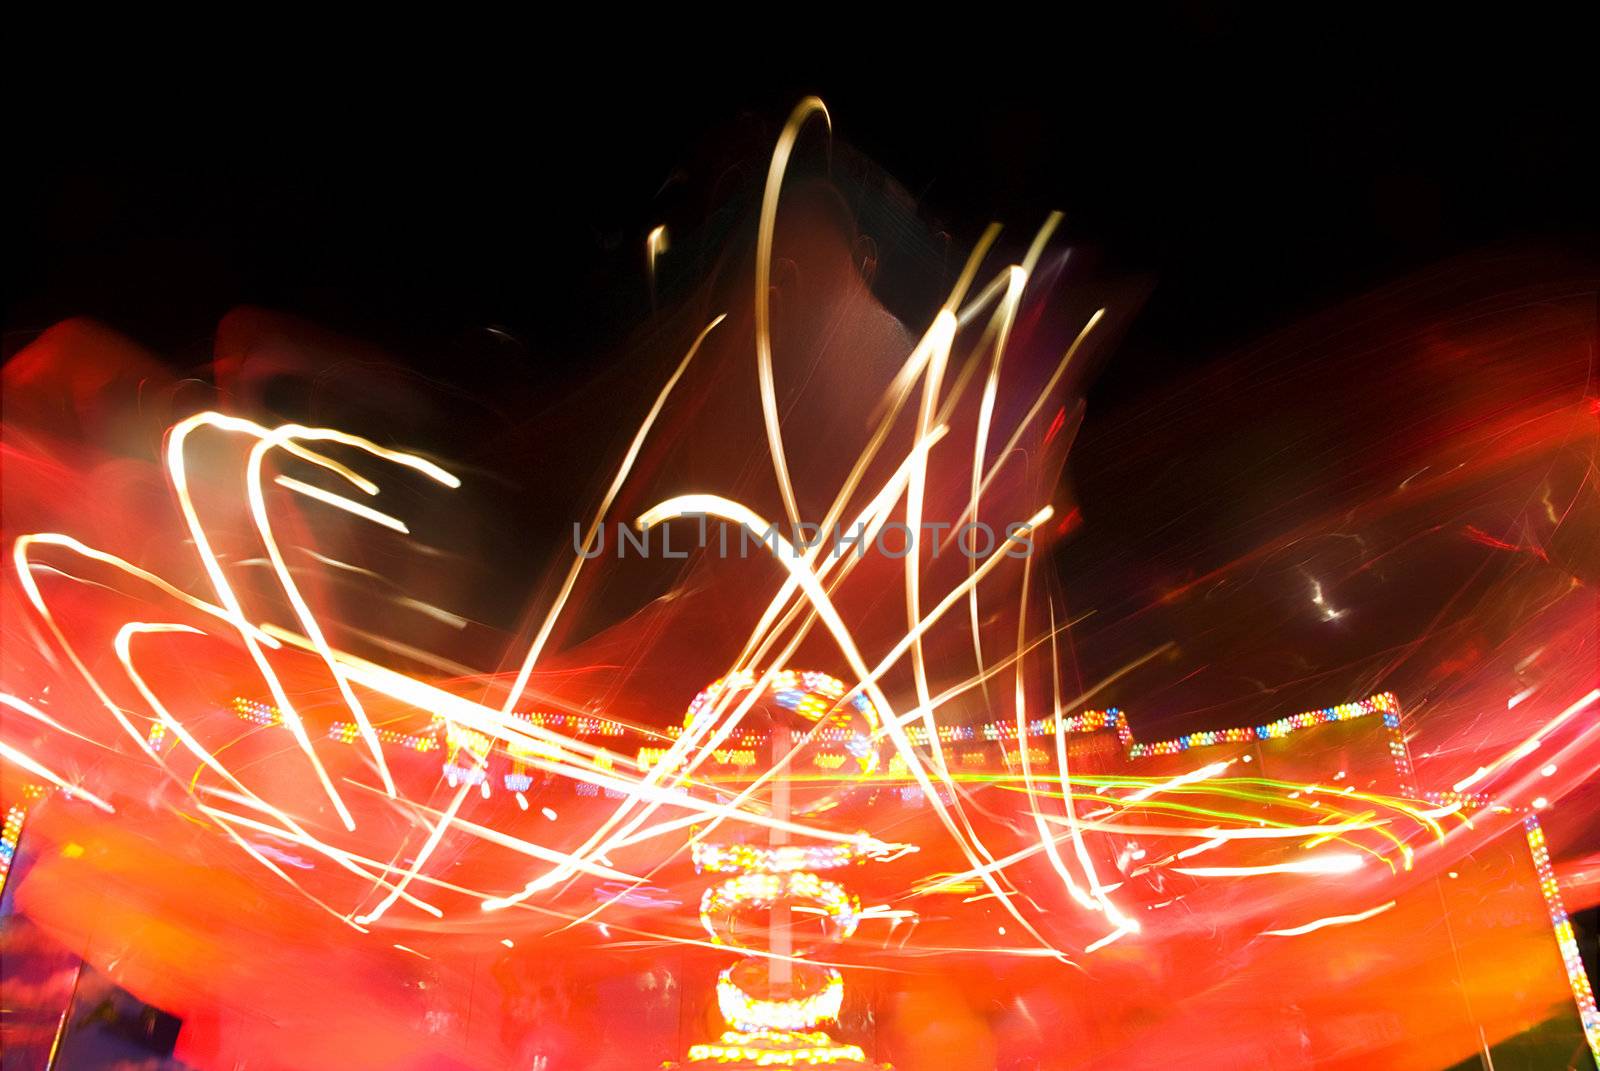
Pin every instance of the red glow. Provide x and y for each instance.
(354, 826)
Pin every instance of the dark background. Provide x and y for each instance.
(414, 192)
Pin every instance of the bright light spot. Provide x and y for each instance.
(548, 813)
(507, 942)
(1321, 603)
(1540, 803)
(1334, 863)
(656, 242)
(1331, 920)
(1453, 874)
(1549, 769)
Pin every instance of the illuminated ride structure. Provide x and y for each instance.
(775, 1006)
(785, 905)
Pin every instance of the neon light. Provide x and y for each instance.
(10, 834)
(769, 1049)
(764, 1031)
(1577, 978)
(753, 1015)
(779, 860)
(763, 890)
(1384, 703)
